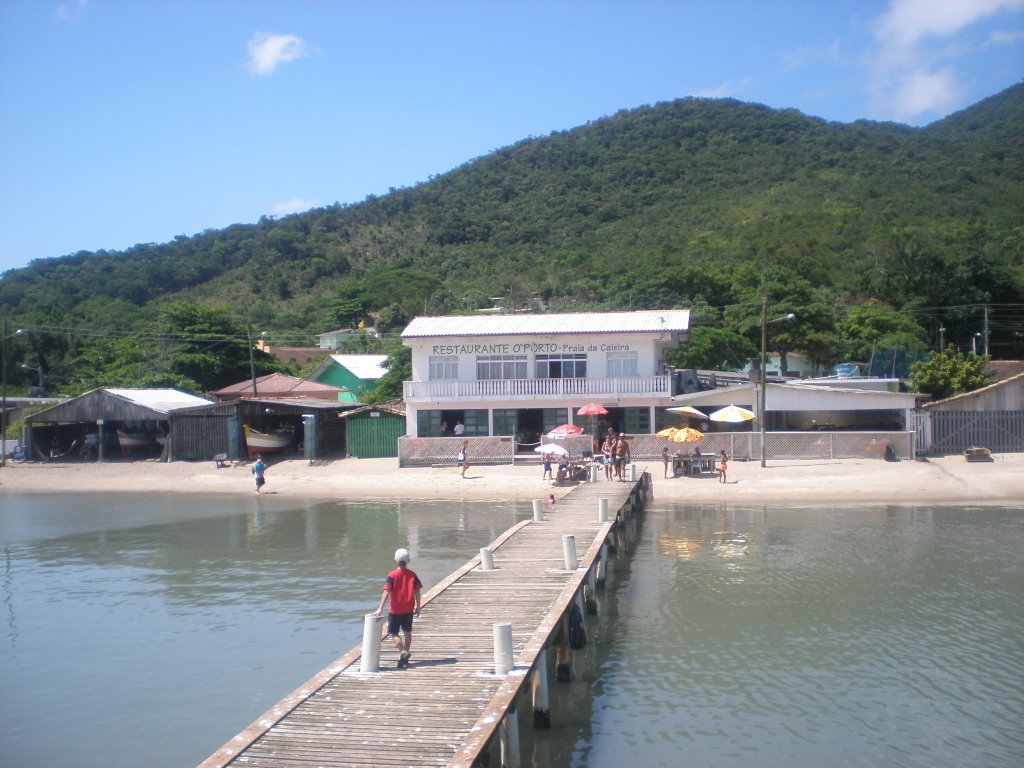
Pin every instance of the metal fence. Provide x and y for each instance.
(783, 445)
(429, 451)
(956, 431)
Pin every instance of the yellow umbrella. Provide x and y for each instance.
(687, 435)
(669, 432)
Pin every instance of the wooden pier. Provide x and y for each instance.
(449, 707)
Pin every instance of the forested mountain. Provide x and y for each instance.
(877, 235)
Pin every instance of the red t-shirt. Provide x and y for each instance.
(402, 583)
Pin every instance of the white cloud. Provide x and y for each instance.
(806, 55)
(911, 72)
(723, 90)
(267, 51)
(294, 205)
(1004, 37)
(71, 11)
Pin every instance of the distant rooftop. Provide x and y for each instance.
(366, 367)
(164, 400)
(648, 321)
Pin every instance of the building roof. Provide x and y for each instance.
(999, 370)
(278, 384)
(119, 405)
(396, 408)
(162, 400)
(648, 321)
(367, 367)
(976, 392)
(301, 355)
(800, 397)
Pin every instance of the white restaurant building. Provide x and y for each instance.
(523, 375)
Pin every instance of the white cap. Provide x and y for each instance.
(402, 555)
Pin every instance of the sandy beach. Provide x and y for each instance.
(942, 479)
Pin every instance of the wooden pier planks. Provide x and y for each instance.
(444, 708)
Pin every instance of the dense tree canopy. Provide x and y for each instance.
(880, 238)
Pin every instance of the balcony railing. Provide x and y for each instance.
(511, 389)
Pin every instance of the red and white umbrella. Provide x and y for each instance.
(564, 431)
(593, 410)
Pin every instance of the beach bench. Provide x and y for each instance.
(220, 460)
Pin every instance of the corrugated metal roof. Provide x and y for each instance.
(163, 400)
(363, 366)
(648, 321)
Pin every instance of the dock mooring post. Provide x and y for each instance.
(538, 511)
(486, 559)
(370, 658)
(569, 550)
(541, 700)
(602, 510)
(502, 648)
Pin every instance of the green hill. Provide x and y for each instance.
(696, 202)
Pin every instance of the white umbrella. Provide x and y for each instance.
(687, 409)
(552, 448)
(732, 414)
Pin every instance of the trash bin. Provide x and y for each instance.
(890, 452)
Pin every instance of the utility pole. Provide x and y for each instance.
(252, 360)
(985, 330)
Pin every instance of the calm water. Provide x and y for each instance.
(833, 636)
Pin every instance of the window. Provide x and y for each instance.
(562, 366)
(489, 367)
(622, 364)
(444, 367)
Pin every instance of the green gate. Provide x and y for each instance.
(374, 434)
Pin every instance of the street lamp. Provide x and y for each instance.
(764, 354)
(3, 406)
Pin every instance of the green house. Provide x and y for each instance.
(372, 431)
(356, 374)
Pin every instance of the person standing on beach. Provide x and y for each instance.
(463, 457)
(723, 464)
(666, 460)
(546, 459)
(259, 469)
(402, 587)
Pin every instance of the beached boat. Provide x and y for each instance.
(134, 439)
(977, 453)
(266, 442)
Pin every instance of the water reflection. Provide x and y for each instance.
(726, 636)
(136, 608)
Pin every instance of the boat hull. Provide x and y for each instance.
(128, 440)
(261, 442)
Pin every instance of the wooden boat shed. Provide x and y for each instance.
(89, 424)
(373, 430)
(210, 430)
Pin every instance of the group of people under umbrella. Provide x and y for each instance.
(615, 449)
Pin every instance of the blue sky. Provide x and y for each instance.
(136, 121)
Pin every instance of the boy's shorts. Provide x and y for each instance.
(399, 622)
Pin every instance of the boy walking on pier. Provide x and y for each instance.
(403, 587)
